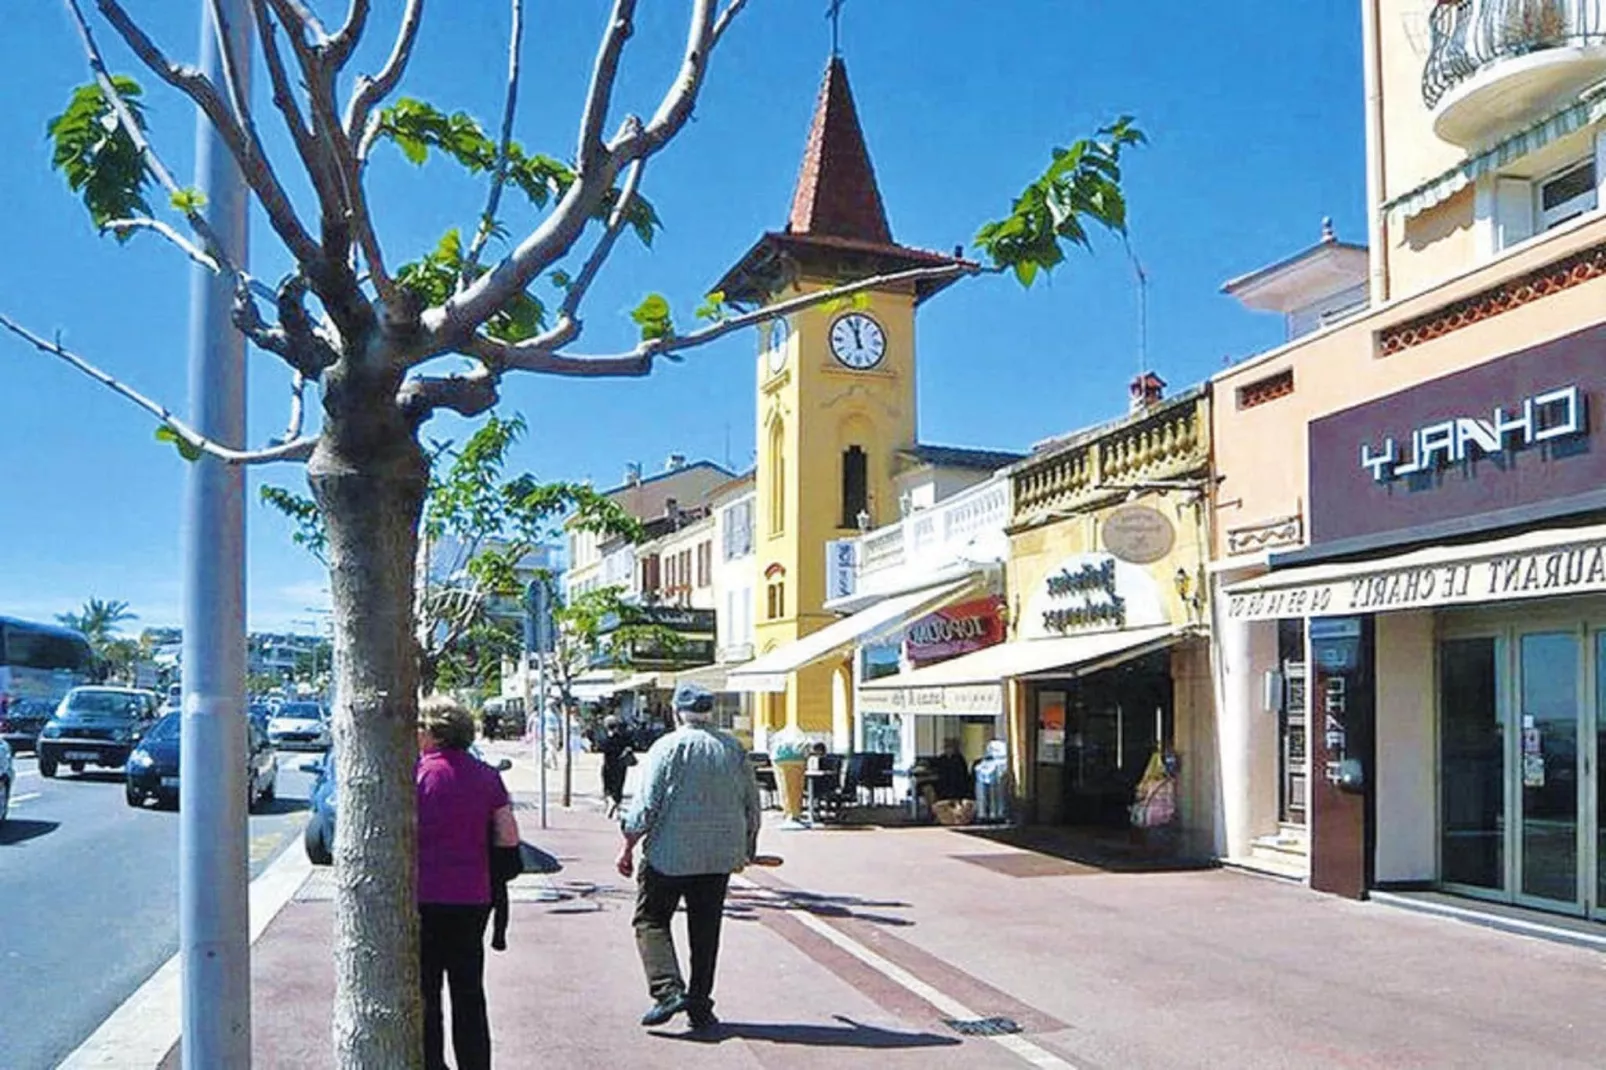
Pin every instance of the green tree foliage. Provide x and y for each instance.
(99, 622)
(98, 157)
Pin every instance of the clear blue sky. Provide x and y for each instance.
(1254, 110)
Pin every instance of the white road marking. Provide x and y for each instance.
(1014, 1043)
(15, 799)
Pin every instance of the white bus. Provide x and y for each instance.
(39, 664)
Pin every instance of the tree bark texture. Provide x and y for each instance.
(369, 477)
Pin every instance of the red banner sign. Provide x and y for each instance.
(955, 630)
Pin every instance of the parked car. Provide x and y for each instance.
(95, 726)
(21, 719)
(324, 798)
(300, 725)
(8, 776)
(153, 766)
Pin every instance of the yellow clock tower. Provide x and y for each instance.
(836, 395)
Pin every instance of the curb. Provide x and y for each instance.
(143, 1029)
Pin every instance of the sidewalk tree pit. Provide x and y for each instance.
(366, 329)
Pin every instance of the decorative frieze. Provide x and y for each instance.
(1266, 535)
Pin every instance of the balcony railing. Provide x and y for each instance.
(1469, 35)
(943, 534)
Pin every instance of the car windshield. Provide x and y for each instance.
(305, 711)
(167, 728)
(90, 703)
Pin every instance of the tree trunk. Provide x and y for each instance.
(369, 477)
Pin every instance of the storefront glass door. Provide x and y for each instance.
(1472, 764)
(1548, 767)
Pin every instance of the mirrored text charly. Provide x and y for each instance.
(1543, 417)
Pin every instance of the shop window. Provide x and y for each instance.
(855, 486)
(705, 563)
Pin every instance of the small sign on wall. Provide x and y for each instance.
(841, 568)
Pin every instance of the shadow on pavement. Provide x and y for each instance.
(14, 830)
(849, 1035)
(279, 804)
(742, 905)
(1111, 850)
(92, 776)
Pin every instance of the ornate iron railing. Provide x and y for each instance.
(1468, 35)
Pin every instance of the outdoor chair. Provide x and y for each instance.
(764, 774)
(873, 774)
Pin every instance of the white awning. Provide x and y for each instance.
(713, 677)
(769, 672)
(973, 683)
(595, 689)
(1538, 564)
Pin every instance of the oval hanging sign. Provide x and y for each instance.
(1138, 534)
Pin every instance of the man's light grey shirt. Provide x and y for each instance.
(697, 808)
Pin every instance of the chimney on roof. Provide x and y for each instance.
(1146, 391)
(632, 474)
(672, 509)
(676, 462)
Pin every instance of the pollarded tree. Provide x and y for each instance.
(364, 331)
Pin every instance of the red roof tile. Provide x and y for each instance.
(836, 190)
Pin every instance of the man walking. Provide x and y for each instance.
(698, 813)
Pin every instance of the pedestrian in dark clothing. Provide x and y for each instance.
(618, 755)
(463, 813)
(697, 814)
(953, 772)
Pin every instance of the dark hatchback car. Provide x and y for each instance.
(153, 766)
(95, 726)
(21, 720)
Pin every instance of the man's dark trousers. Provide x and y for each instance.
(657, 897)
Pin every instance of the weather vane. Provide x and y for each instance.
(834, 13)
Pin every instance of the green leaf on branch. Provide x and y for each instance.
(714, 307)
(98, 157)
(434, 277)
(1082, 184)
(309, 533)
(186, 449)
(653, 317)
(188, 200)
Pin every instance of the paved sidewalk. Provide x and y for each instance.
(856, 951)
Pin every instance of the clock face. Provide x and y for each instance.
(779, 333)
(857, 341)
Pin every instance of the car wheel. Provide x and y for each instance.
(135, 797)
(77, 767)
(47, 766)
(316, 841)
(271, 792)
(5, 799)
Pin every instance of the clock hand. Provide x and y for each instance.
(853, 325)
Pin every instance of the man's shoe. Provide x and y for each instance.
(703, 1021)
(664, 1009)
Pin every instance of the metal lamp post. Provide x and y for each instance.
(214, 914)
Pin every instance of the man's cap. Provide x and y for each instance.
(693, 698)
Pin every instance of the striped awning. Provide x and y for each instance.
(1589, 109)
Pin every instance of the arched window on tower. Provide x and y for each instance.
(855, 486)
(777, 473)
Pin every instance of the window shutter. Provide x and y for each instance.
(1513, 211)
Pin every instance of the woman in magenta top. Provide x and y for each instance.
(463, 808)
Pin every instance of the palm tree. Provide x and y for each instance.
(98, 621)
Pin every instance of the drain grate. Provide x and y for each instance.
(982, 1027)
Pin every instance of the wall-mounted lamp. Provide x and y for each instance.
(864, 520)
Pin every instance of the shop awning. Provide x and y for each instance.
(1537, 564)
(1588, 109)
(974, 683)
(713, 677)
(769, 672)
(595, 689)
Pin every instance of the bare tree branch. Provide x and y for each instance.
(676, 106)
(189, 248)
(493, 199)
(324, 181)
(246, 150)
(621, 24)
(726, 17)
(344, 42)
(568, 324)
(535, 356)
(298, 449)
(301, 17)
(468, 395)
(370, 91)
(298, 408)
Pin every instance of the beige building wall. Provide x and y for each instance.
(1407, 791)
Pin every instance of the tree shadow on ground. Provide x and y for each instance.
(13, 830)
(850, 1034)
(92, 776)
(279, 804)
(744, 905)
(1112, 850)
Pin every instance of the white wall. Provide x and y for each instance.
(1407, 810)
(1247, 739)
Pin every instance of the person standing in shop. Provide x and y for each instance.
(697, 817)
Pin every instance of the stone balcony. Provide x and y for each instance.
(966, 529)
(1170, 440)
